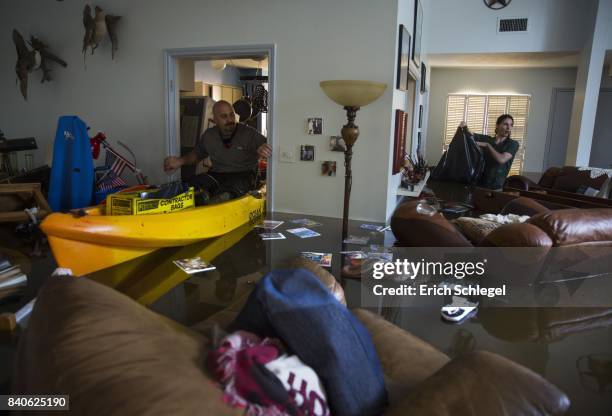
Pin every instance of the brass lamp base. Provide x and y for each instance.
(350, 133)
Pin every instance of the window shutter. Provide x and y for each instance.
(475, 117)
(497, 106)
(455, 114)
(518, 107)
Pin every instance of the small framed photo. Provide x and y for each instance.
(307, 153)
(336, 144)
(328, 168)
(315, 125)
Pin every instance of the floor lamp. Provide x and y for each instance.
(351, 95)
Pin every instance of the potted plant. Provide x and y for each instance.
(413, 171)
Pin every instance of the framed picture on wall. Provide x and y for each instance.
(399, 145)
(423, 78)
(307, 153)
(403, 59)
(418, 26)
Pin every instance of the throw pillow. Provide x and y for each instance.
(475, 229)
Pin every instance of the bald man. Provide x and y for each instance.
(233, 149)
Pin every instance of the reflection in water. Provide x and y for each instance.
(463, 342)
(149, 277)
(595, 372)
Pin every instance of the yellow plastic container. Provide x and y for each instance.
(132, 204)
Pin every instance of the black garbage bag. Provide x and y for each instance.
(463, 161)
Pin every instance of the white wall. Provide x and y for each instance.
(316, 40)
(405, 16)
(588, 83)
(537, 82)
(468, 26)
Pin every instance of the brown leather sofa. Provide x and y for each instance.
(545, 228)
(116, 357)
(561, 185)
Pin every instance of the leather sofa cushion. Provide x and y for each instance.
(517, 235)
(112, 356)
(524, 206)
(576, 226)
(467, 380)
(413, 229)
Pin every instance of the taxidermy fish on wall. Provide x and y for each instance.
(97, 26)
(30, 60)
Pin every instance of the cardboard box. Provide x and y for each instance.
(132, 204)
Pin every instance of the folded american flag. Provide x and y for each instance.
(110, 181)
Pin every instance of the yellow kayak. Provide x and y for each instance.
(96, 241)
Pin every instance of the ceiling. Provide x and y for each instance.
(505, 60)
(251, 63)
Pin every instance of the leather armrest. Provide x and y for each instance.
(483, 383)
(413, 229)
(519, 182)
(112, 355)
(406, 360)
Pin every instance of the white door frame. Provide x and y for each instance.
(171, 95)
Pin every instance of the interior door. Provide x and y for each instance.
(558, 127)
(601, 149)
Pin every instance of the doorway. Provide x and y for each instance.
(217, 59)
(558, 129)
(559, 119)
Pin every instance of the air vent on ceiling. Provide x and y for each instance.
(512, 25)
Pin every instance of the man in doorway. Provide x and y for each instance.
(233, 149)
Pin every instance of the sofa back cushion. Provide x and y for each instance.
(112, 355)
(576, 226)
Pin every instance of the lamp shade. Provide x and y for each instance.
(350, 93)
